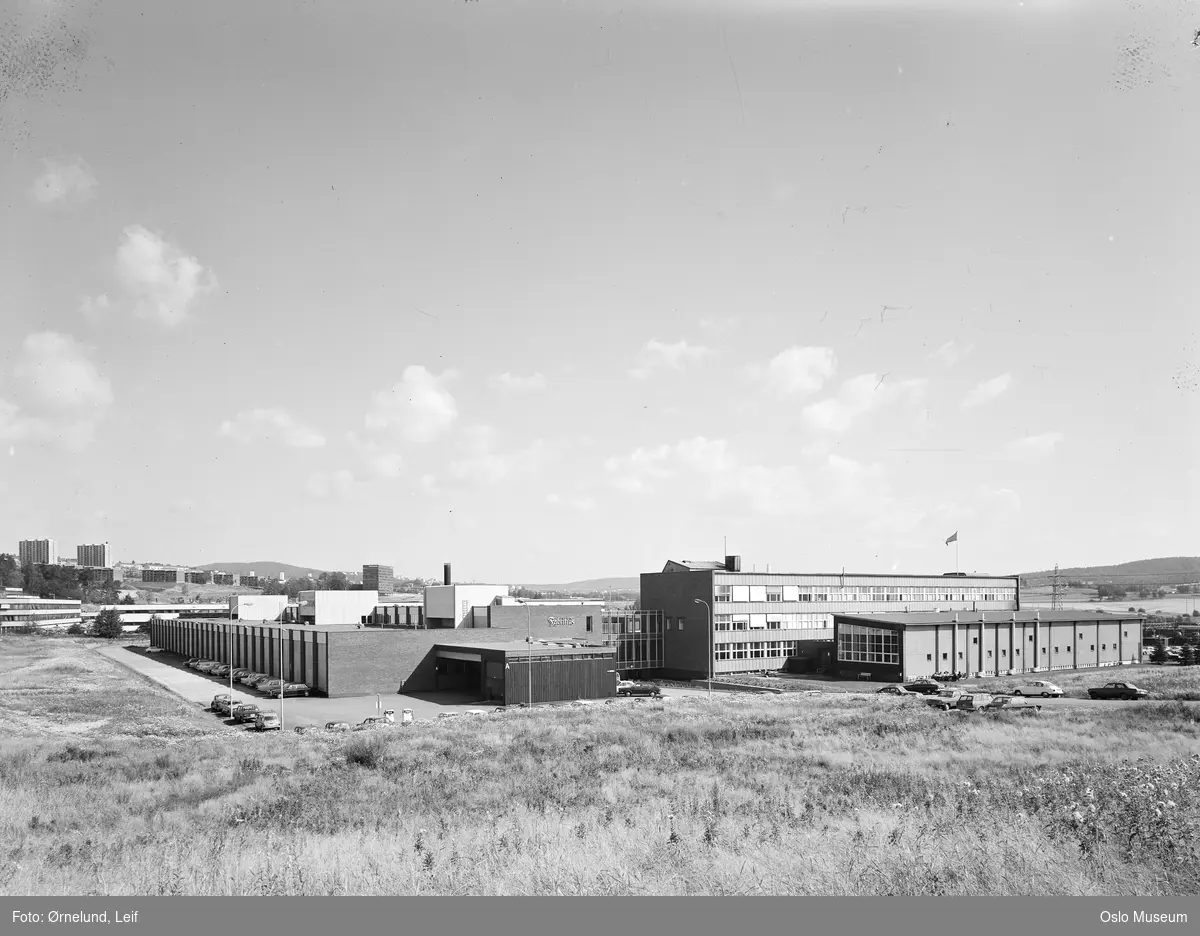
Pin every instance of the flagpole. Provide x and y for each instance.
(956, 552)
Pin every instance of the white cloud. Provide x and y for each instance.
(338, 483)
(633, 472)
(163, 281)
(859, 396)
(987, 391)
(486, 465)
(656, 355)
(419, 407)
(575, 503)
(1036, 446)
(60, 395)
(718, 327)
(429, 484)
(385, 465)
(518, 384)
(64, 182)
(951, 353)
(766, 489)
(800, 370)
(271, 425)
(95, 310)
(1004, 501)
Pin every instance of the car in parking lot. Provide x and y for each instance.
(944, 699)
(924, 686)
(207, 666)
(337, 726)
(240, 672)
(267, 721)
(294, 689)
(253, 679)
(244, 712)
(1016, 705)
(269, 686)
(1117, 690)
(154, 649)
(893, 690)
(191, 661)
(972, 702)
(629, 687)
(221, 703)
(1038, 687)
(221, 669)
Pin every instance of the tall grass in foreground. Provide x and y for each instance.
(771, 795)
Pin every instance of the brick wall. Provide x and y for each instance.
(513, 618)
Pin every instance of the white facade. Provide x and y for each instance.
(454, 602)
(325, 608)
(257, 607)
(18, 609)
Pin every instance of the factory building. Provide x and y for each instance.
(715, 615)
(987, 643)
(325, 608)
(257, 607)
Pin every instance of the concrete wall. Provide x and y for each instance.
(453, 603)
(553, 622)
(686, 648)
(257, 607)
(325, 608)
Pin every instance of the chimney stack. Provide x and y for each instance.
(446, 579)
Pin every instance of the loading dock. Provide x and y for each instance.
(502, 672)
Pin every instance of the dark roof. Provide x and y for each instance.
(519, 648)
(679, 565)
(675, 565)
(916, 618)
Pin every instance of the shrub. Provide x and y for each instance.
(366, 751)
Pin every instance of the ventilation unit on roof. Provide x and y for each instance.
(733, 563)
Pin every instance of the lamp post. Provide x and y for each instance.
(709, 622)
(529, 637)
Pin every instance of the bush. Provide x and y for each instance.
(366, 752)
(108, 624)
(76, 629)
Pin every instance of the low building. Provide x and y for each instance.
(19, 611)
(452, 606)
(198, 577)
(987, 643)
(327, 607)
(224, 578)
(96, 576)
(257, 607)
(162, 575)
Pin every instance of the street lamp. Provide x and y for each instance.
(529, 637)
(708, 621)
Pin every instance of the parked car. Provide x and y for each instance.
(154, 649)
(628, 687)
(1015, 704)
(924, 686)
(240, 672)
(1117, 690)
(253, 679)
(244, 712)
(207, 666)
(295, 689)
(944, 699)
(267, 721)
(972, 702)
(1038, 687)
(337, 726)
(220, 704)
(191, 661)
(221, 669)
(893, 690)
(269, 686)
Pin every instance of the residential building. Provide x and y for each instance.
(37, 552)
(94, 556)
(162, 575)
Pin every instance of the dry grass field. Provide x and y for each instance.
(112, 786)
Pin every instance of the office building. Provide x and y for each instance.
(38, 552)
(19, 611)
(379, 578)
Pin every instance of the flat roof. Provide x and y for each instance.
(953, 577)
(521, 648)
(917, 618)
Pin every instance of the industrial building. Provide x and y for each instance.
(379, 578)
(19, 610)
(257, 607)
(715, 615)
(37, 552)
(984, 643)
(321, 608)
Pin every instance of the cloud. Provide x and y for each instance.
(575, 503)
(764, 489)
(533, 382)
(163, 281)
(656, 355)
(718, 327)
(1004, 501)
(429, 484)
(323, 484)
(95, 310)
(1037, 446)
(951, 353)
(859, 396)
(385, 465)
(987, 391)
(271, 425)
(800, 370)
(633, 472)
(64, 182)
(486, 465)
(419, 407)
(60, 394)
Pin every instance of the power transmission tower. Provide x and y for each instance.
(1056, 596)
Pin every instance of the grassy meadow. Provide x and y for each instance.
(113, 786)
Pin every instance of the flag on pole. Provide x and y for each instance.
(953, 538)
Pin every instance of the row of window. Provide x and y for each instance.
(1017, 651)
(771, 620)
(858, 644)
(852, 593)
(754, 651)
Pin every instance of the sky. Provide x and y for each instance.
(555, 290)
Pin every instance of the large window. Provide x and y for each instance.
(741, 621)
(774, 593)
(858, 644)
(791, 592)
(758, 592)
(722, 622)
(720, 592)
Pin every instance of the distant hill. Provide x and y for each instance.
(266, 569)
(1174, 571)
(629, 583)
